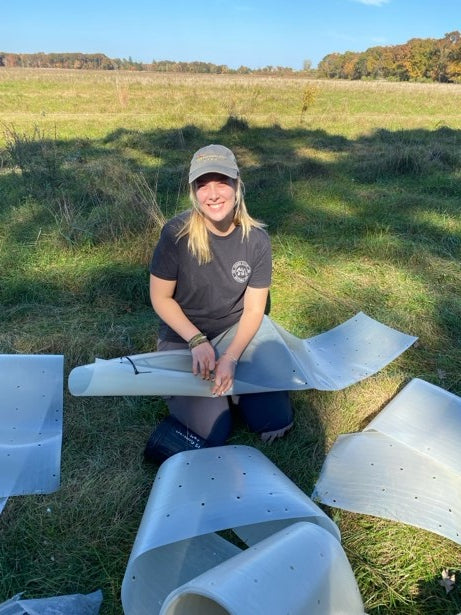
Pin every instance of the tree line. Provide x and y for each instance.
(99, 61)
(417, 60)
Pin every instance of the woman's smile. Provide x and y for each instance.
(216, 198)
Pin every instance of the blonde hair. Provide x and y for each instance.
(195, 228)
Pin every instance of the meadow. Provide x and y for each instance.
(359, 184)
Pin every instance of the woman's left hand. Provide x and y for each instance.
(223, 375)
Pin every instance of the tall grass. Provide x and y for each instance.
(360, 186)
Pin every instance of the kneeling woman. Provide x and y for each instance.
(210, 270)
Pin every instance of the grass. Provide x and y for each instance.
(360, 188)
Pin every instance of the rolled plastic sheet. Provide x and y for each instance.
(197, 494)
(31, 423)
(405, 466)
(275, 360)
(301, 569)
(73, 604)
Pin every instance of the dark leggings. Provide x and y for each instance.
(211, 418)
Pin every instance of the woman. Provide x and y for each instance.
(210, 270)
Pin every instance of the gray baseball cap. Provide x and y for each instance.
(213, 159)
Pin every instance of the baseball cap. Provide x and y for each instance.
(213, 159)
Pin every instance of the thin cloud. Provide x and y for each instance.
(372, 2)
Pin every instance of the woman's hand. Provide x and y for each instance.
(203, 360)
(224, 375)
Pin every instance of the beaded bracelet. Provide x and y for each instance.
(196, 340)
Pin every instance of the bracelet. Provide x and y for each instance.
(196, 340)
(231, 357)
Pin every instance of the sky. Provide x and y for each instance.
(252, 33)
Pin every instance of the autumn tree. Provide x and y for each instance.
(418, 59)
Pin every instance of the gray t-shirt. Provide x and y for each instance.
(211, 295)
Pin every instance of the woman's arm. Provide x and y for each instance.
(169, 310)
(253, 311)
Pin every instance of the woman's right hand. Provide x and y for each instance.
(203, 360)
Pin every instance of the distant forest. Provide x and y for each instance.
(420, 59)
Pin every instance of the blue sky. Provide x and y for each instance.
(254, 33)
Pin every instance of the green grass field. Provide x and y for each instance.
(360, 186)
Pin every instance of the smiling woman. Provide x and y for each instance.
(211, 270)
(216, 198)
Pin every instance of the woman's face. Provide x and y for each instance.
(216, 198)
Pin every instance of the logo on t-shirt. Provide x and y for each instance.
(241, 271)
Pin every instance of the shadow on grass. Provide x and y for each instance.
(382, 195)
(431, 592)
(385, 178)
(337, 195)
(431, 598)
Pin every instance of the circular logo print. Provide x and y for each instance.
(241, 271)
